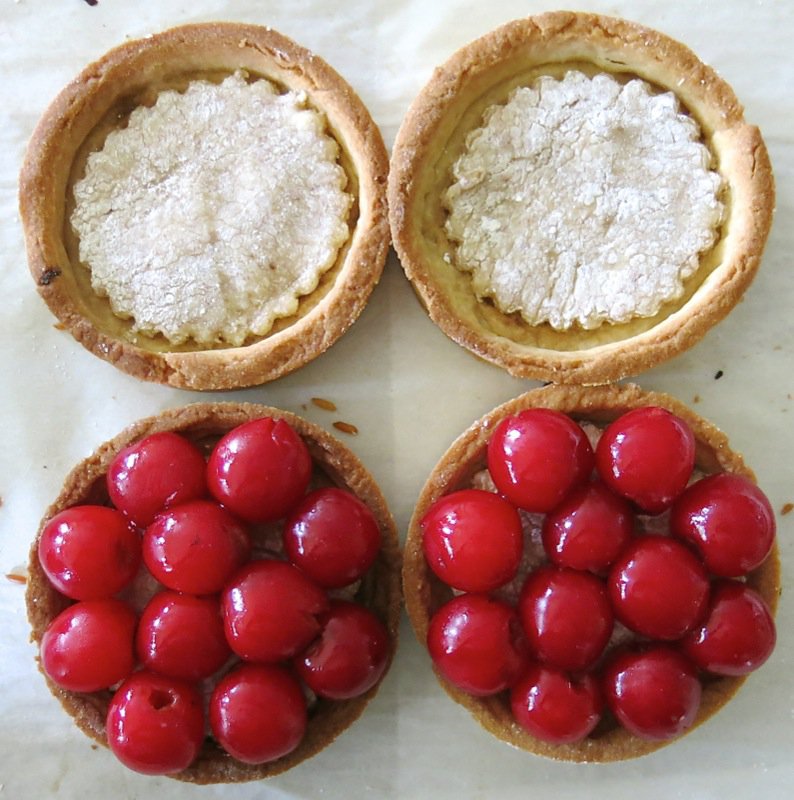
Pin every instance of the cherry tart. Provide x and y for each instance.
(225, 575)
(636, 608)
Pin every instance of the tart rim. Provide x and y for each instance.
(340, 464)
(424, 592)
(560, 38)
(80, 108)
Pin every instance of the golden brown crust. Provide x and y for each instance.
(424, 593)
(130, 74)
(379, 590)
(482, 73)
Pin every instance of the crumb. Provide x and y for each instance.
(92, 2)
(95, 747)
(718, 374)
(16, 577)
(696, 398)
(786, 509)
(304, 407)
(346, 427)
(59, 326)
(326, 405)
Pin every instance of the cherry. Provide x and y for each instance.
(154, 473)
(730, 522)
(473, 540)
(332, 536)
(259, 470)
(350, 654)
(537, 457)
(647, 456)
(155, 725)
(89, 552)
(588, 529)
(88, 646)
(566, 617)
(271, 611)
(658, 588)
(476, 644)
(654, 693)
(258, 713)
(195, 547)
(555, 708)
(181, 636)
(737, 636)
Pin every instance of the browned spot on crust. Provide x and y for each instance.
(48, 276)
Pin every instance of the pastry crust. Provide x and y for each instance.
(425, 593)
(483, 73)
(100, 98)
(204, 423)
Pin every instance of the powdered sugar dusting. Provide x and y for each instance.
(583, 201)
(213, 211)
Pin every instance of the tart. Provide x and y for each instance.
(333, 465)
(240, 247)
(576, 198)
(463, 467)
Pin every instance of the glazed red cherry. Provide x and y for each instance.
(155, 725)
(258, 713)
(473, 540)
(89, 552)
(88, 646)
(195, 547)
(588, 529)
(157, 472)
(271, 611)
(350, 654)
(738, 634)
(566, 617)
(181, 636)
(332, 536)
(647, 456)
(554, 707)
(730, 522)
(537, 457)
(259, 470)
(654, 693)
(476, 644)
(658, 588)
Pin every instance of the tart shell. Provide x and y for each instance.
(205, 423)
(100, 98)
(425, 593)
(483, 73)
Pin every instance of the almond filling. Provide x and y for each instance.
(583, 201)
(213, 211)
